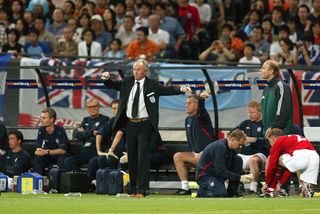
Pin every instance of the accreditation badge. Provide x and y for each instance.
(152, 99)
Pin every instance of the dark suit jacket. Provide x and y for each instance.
(152, 90)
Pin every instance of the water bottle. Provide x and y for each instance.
(73, 194)
(121, 195)
(292, 189)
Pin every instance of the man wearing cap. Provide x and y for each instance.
(102, 36)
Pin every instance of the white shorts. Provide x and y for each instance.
(245, 160)
(306, 162)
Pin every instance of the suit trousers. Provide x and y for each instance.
(138, 142)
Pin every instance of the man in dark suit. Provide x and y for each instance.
(139, 114)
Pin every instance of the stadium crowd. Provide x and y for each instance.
(248, 31)
(270, 32)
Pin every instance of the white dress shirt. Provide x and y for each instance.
(142, 111)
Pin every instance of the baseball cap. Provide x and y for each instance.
(96, 17)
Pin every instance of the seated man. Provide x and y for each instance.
(15, 161)
(199, 133)
(51, 142)
(87, 134)
(256, 150)
(3, 139)
(218, 169)
(297, 155)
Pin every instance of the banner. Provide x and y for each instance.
(227, 99)
(67, 96)
(4, 60)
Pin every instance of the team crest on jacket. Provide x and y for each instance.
(259, 129)
(152, 99)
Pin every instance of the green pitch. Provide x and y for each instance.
(91, 203)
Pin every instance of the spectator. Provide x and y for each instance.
(304, 23)
(84, 23)
(132, 5)
(73, 25)
(292, 24)
(191, 18)
(3, 138)
(157, 35)
(87, 134)
(267, 30)
(145, 10)
(275, 48)
(315, 11)
(13, 46)
(172, 26)
(204, 10)
(56, 28)
(308, 3)
(236, 42)
(67, 46)
(88, 47)
(51, 142)
(254, 19)
(102, 36)
(120, 10)
(39, 7)
(248, 57)
(219, 51)
(79, 4)
(199, 133)
(29, 17)
(44, 35)
(16, 161)
(256, 149)
(101, 6)
(285, 57)
(22, 27)
(34, 48)
(218, 165)
(308, 53)
(69, 8)
(116, 51)
(110, 22)
(276, 102)
(142, 47)
(260, 45)
(277, 19)
(316, 31)
(16, 10)
(292, 9)
(126, 34)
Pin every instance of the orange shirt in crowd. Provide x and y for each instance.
(148, 49)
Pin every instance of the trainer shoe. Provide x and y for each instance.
(308, 191)
(183, 192)
(282, 193)
(266, 194)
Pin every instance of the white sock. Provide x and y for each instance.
(185, 185)
(254, 186)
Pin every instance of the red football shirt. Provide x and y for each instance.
(284, 145)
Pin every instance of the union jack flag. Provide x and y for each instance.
(75, 98)
(310, 98)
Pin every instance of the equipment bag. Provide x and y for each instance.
(74, 182)
(55, 179)
(102, 178)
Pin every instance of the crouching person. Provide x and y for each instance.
(219, 167)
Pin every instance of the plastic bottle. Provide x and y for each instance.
(73, 194)
(120, 195)
(292, 189)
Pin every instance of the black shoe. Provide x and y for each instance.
(251, 192)
(92, 188)
(183, 192)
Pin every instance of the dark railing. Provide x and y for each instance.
(205, 65)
